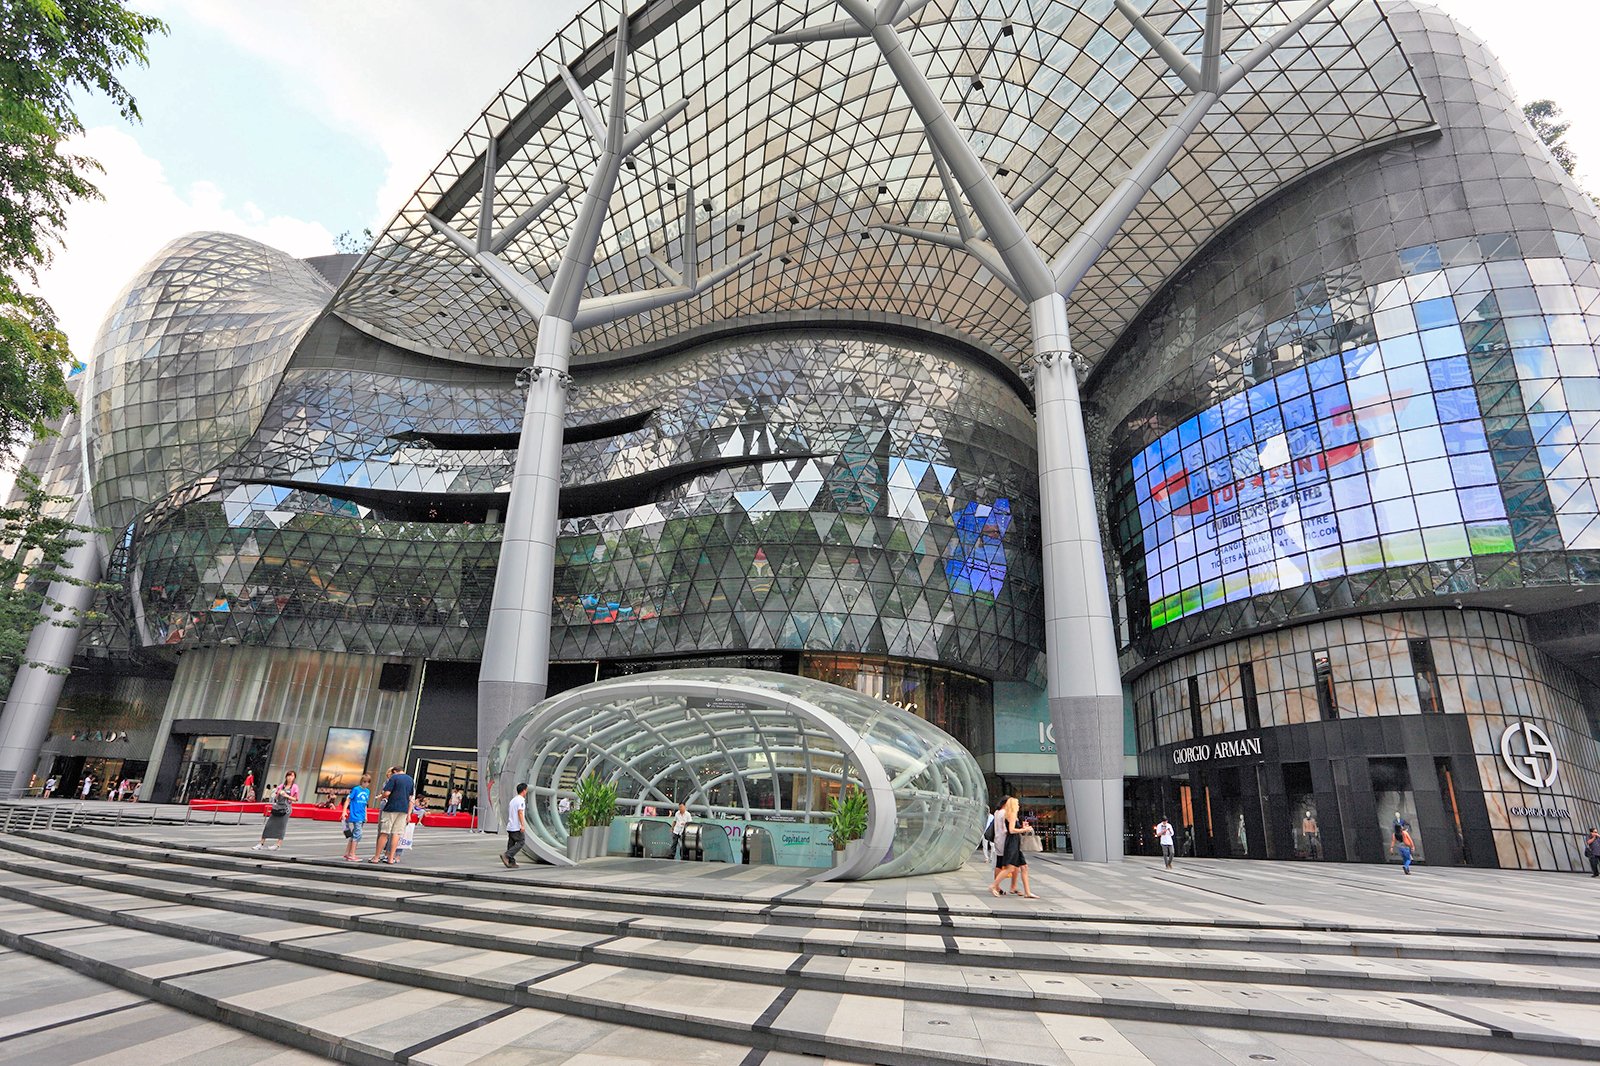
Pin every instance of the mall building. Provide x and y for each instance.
(1335, 329)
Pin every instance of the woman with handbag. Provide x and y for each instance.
(1011, 860)
(284, 798)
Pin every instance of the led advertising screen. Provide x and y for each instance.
(1371, 458)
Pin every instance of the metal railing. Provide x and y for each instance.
(15, 817)
(68, 815)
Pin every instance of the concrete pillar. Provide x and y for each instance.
(516, 648)
(1083, 679)
(36, 689)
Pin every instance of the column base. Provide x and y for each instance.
(499, 704)
(1089, 752)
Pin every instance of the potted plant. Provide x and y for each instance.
(575, 833)
(847, 822)
(597, 806)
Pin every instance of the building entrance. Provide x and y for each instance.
(211, 758)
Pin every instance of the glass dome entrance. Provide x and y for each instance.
(749, 747)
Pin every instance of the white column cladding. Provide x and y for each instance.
(36, 689)
(1084, 682)
(516, 649)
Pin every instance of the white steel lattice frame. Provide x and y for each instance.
(818, 159)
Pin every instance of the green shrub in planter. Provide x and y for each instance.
(848, 817)
(597, 802)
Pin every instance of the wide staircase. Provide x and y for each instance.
(372, 964)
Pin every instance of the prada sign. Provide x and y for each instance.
(1242, 748)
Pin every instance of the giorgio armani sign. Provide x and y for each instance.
(1243, 747)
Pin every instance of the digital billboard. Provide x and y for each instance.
(1370, 458)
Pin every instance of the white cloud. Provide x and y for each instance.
(404, 75)
(109, 240)
(1546, 48)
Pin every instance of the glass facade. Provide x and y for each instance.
(1343, 364)
(1370, 399)
(1373, 457)
(801, 153)
(185, 363)
(882, 500)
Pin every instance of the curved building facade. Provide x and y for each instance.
(1352, 519)
(1327, 303)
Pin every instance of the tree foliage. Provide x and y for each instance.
(1545, 118)
(49, 50)
(348, 242)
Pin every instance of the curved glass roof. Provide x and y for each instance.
(798, 152)
(751, 745)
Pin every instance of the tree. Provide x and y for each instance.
(1544, 116)
(350, 243)
(49, 49)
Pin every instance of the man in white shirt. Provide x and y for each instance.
(679, 822)
(1164, 834)
(516, 824)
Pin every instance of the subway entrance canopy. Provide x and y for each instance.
(750, 747)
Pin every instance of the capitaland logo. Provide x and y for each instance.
(1176, 487)
(1527, 752)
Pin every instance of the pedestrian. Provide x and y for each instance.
(1591, 850)
(284, 797)
(50, 786)
(516, 825)
(680, 822)
(354, 816)
(1011, 861)
(396, 797)
(991, 834)
(1164, 834)
(1400, 839)
(452, 805)
(88, 786)
(408, 835)
(247, 791)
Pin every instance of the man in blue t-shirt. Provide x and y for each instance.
(354, 816)
(396, 797)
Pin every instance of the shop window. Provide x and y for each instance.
(1247, 686)
(1196, 720)
(1395, 803)
(1422, 668)
(1304, 825)
(1452, 808)
(1322, 670)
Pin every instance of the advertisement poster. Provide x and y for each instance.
(1350, 463)
(344, 758)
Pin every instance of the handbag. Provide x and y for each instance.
(1031, 842)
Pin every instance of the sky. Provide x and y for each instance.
(291, 121)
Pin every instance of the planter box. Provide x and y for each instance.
(575, 848)
(594, 841)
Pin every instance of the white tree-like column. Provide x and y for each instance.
(516, 653)
(1084, 683)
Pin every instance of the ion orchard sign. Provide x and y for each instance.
(1222, 749)
(1527, 752)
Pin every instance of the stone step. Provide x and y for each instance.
(600, 986)
(361, 1018)
(671, 903)
(656, 943)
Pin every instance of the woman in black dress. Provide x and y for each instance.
(1011, 859)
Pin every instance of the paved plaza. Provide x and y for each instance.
(111, 932)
